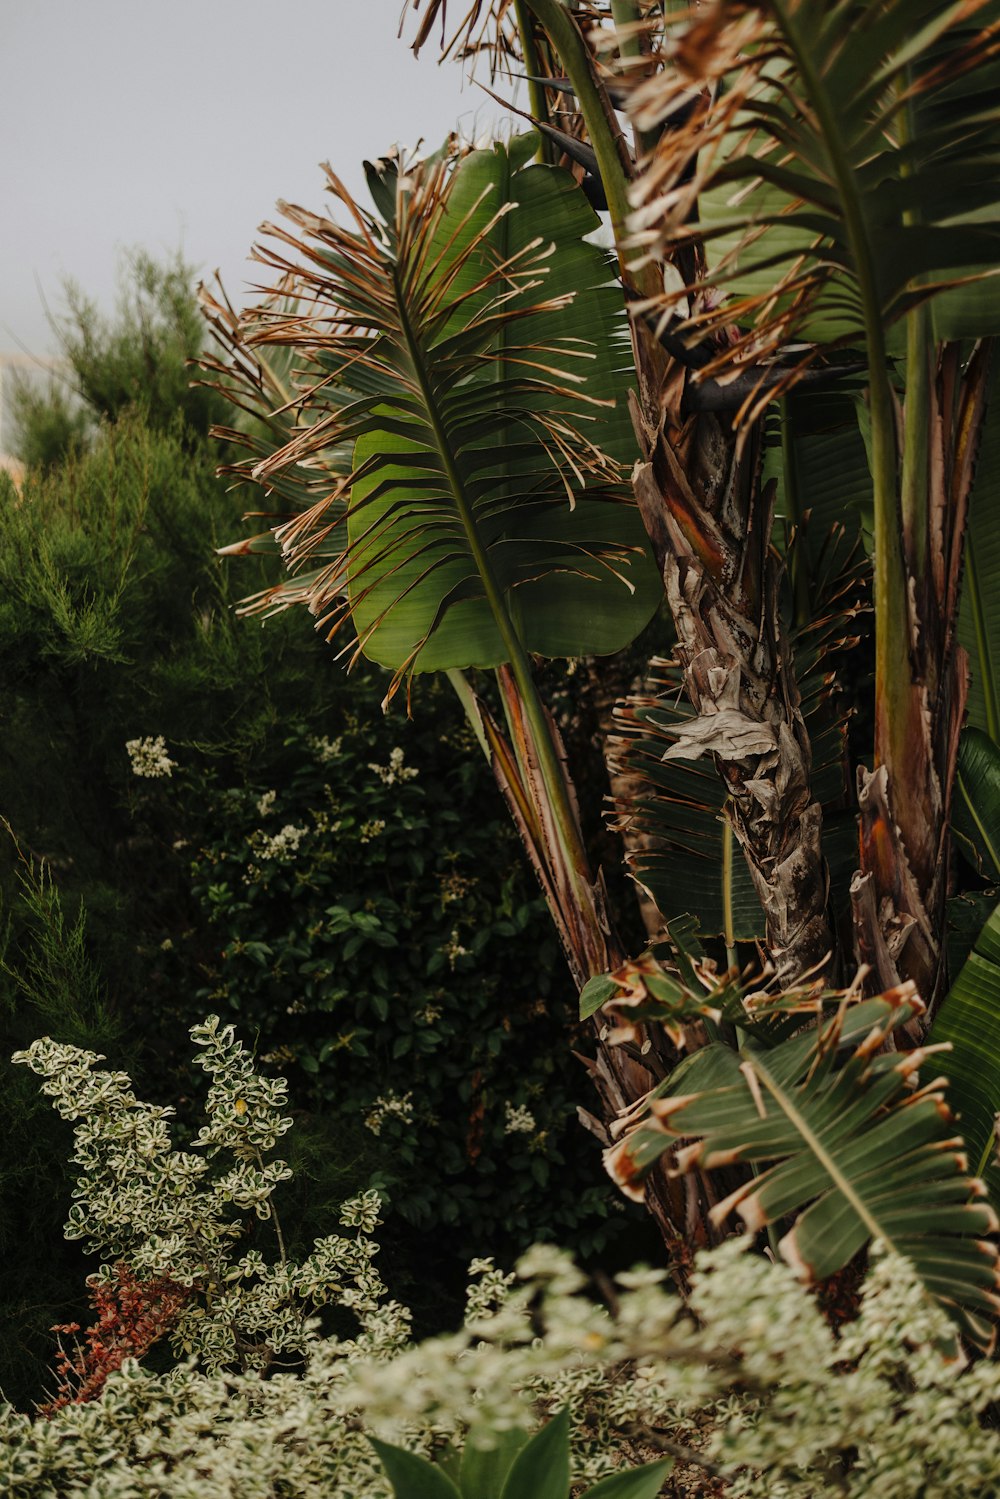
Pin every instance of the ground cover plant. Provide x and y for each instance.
(744, 1385)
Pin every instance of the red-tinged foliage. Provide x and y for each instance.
(132, 1315)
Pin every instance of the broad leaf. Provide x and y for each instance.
(844, 171)
(976, 812)
(485, 1468)
(979, 619)
(969, 1021)
(594, 993)
(413, 1477)
(842, 1148)
(637, 1483)
(541, 1469)
(459, 363)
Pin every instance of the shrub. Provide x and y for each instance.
(375, 929)
(751, 1373)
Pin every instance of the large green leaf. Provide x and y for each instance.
(466, 350)
(637, 1483)
(413, 1477)
(485, 1464)
(976, 808)
(541, 1468)
(969, 1022)
(849, 158)
(979, 619)
(842, 1148)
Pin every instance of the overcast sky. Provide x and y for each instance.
(176, 124)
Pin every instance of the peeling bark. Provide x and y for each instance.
(709, 522)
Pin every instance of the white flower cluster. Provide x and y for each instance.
(149, 758)
(326, 750)
(395, 771)
(265, 804)
(279, 847)
(750, 1379)
(389, 1106)
(453, 949)
(371, 830)
(518, 1121)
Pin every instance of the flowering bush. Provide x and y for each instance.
(749, 1384)
(374, 928)
(149, 759)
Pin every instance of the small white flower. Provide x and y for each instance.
(324, 749)
(389, 1106)
(281, 846)
(266, 803)
(149, 758)
(395, 770)
(518, 1121)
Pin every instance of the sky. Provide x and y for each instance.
(176, 125)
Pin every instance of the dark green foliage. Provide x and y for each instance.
(388, 948)
(49, 425)
(117, 622)
(138, 358)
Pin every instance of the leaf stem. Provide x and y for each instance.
(533, 67)
(892, 658)
(565, 36)
(467, 698)
(732, 957)
(520, 664)
(799, 560)
(985, 674)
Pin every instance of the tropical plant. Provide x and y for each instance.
(506, 1464)
(801, 238)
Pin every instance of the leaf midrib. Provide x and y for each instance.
(815, 1145)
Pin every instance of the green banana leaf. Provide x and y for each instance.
(976, 804)
(461, 385)
(411, 1476)
(514, 1466)
(979, 617)
(468, 454)
(844, 1151)
(969, 1022)
(822, 191)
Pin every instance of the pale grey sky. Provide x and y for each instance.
(173, 124)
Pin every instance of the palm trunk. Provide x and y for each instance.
(709, 522)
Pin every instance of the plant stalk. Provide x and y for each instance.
(564, 34)
(551, 771)
(892, 657)
(533, 67)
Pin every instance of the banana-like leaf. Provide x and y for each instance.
(979, 618)
(844, 170)
(678, 844)
(976, 810)
(845, 1147)
(412, 1476)
(969, 1022)
(464, 349)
